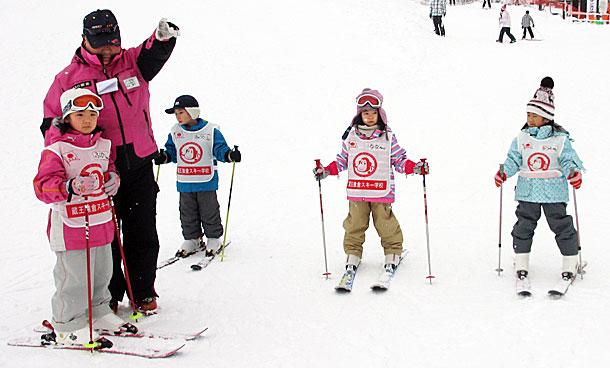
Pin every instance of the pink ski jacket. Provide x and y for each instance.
(123, 86)
(50, 187)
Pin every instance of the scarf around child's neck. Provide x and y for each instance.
(368, 130)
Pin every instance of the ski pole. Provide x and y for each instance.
(499, 269)
(318, 166)
(135, 314)
(91, 344)
(224, 240)
(157, 176)
(581, 271)
(429, 277)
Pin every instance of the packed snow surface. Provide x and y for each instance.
(280, 77)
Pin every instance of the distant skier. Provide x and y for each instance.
(488, 3)
(369, 151)
(542, 156)
(75, 175)
(438, 9)
(505, 24)
(196, 145)
(527, 23)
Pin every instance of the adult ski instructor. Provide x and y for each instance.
(121, 77)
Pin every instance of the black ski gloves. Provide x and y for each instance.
(162, 157)
(233, 156)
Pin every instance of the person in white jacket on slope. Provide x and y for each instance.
(505, 24)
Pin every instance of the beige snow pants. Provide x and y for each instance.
(357, 222)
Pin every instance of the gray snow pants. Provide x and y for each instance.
(528, 214)
(197, 210)
(69, 303)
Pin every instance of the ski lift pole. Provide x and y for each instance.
(499, 269)
(224, 241)
(581, 271)
(429, 277)
(318, 166)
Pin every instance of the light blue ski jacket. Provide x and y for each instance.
(552, 190)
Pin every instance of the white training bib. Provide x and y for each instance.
(368, 166)
(194, 153)
(84, 161)
(540, 156)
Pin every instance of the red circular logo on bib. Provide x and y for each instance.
(364, 164)
(191, 153)
(538, 162)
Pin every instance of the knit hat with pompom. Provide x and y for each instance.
(543, 101)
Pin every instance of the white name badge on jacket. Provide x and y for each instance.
(107, 86)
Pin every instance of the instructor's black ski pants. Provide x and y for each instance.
(136, 209)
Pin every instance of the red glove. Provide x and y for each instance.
(500, 178)
(332, 168)
(575, 179)
(420, 168)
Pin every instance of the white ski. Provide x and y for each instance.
(383, 283)
(347, 281)
(146, 348)
(561, 288)
(205, 262)
(522, 286)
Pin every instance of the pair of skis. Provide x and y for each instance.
(523, 287)
(144, 343)
(383, 282)
(205, 262)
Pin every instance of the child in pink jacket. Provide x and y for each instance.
(75, 176)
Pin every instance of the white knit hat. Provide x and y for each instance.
(543, 102)
(67, 101)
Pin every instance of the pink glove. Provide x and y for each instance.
(83, 185)
(575, 179)
(500, 178)
(111, 183)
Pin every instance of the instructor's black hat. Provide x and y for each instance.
(101, 28)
